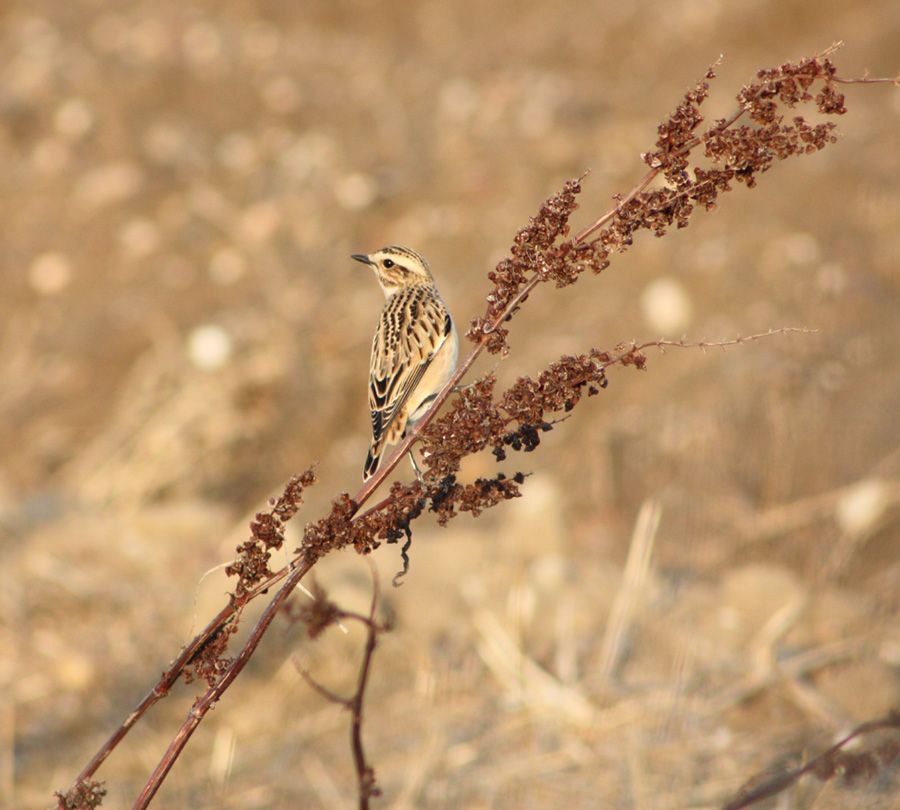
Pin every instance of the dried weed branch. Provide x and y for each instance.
(478, 419)
(267, 535)
(318, 615)
(854, 768)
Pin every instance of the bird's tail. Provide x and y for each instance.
(373, 459)
(395, 433)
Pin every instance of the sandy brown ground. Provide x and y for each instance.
(182, 329)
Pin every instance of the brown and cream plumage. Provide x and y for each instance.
(414, 351)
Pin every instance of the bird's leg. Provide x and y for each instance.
(412, 460)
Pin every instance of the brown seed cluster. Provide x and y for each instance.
(86, 795)
(391, 520)
(318, 613)
(366, 532)
(515, 420)
(267, 533)
(857, 767)
(468, 426)
(732, 152)
(533, 252)
(790, 84)
(451, 498)
(541, 252)
(210, 661)
(677, 135)
(559, 388)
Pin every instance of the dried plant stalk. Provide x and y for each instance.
(738, 149)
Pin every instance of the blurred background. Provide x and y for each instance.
(702, 578)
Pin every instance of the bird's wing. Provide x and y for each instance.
(411, 331)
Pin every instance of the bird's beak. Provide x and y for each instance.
(361, 257)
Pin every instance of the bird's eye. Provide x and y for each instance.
(388, 263)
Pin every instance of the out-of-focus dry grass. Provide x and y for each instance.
(182, 329)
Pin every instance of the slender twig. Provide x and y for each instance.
(720, 344)
(169, 678)
(161, 689)
(324, 691)
(599, 223)
(204, 703)
(827, 763)
(867, 80)
(365, 774)
(633, 349)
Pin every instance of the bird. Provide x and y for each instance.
(414, 351)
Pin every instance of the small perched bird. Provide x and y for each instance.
(414, 351)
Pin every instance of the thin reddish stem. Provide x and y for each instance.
(299, 566)
(867, 80)
(650, 175)
(203, 704)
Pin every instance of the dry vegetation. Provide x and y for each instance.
(702, 579)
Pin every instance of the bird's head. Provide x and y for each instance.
(396, 267)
